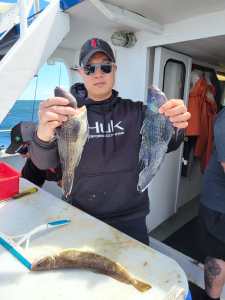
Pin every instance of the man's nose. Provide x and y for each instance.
(98, 72)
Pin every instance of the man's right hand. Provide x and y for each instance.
(52, 113)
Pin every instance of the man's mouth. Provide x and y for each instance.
(98, 84)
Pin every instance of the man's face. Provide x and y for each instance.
(99, 84)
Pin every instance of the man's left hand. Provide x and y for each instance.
(176, 111)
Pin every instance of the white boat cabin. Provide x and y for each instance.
(172, 38)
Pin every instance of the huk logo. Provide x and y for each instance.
(110, 129)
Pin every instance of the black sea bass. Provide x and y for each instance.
(71, 138)
(156, 132)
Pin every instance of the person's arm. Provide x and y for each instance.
(43, 147)
(176, 111)
(43, 154)
(176, 140)
(32, 173)
(180, 121)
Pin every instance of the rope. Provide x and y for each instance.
(60, 72)
(35, 97)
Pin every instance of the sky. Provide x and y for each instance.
(9, 1)
(42, 3)
(49, 76)
(15, 1)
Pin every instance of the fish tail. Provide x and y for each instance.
(145, 178)
(141, 286)
(67, 184)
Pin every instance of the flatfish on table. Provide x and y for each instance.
(71, 138)
(72, 258)
(156, 132)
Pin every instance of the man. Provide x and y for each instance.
(21, 135)
(105, 183)
(212, 215)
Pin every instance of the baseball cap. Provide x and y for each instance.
(21, 133)
(92, 46)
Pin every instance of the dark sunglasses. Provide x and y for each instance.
(105, 68)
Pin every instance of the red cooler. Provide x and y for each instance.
(9, 181)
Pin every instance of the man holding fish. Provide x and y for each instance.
(109, 157)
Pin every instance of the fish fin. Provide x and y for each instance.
(141, 286)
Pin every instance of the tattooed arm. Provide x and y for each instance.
(214, 276)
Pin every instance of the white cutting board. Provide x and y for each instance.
(86, 233)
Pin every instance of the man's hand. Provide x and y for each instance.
(177, 112)
(52, 113)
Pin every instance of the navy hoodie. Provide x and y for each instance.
(105, 183)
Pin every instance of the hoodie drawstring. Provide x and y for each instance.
(104, 138)
(114, 136)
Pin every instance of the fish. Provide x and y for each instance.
(71, 138)
(156, 132)
(73, 258)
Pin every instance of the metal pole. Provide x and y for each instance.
(23, 17)
(36, 6)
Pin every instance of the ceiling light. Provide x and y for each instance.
(123, 39)
(220, 77)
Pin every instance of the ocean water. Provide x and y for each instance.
(23, 110)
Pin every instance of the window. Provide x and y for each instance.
(174, 79)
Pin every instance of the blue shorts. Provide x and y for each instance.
(212, 233)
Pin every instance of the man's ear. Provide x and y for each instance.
(81, 73)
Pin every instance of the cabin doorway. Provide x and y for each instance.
(172, 75)
(207, 59)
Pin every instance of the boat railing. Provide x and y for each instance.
(24, 12)
(18, 13)
(8, 19)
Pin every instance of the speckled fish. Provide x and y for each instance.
(72, 258)
(156, 132)
(71, 138)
